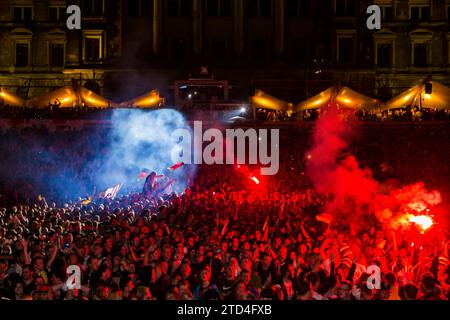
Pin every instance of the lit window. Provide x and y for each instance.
(93, 47)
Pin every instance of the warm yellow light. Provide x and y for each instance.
(347, 101)
(406, 98)
(427, 96)
(91, 100)
(263, 102)
(317, 102)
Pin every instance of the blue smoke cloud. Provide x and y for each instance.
(64, 166)
(142, 140)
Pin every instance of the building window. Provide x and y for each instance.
(218, 50)
(387, 13)
(345, 8)
(23, 14)
(298, 8)
(299, 52)
(218, 8)
(179, 49)
(345, 50)
(147, 8)
(93, 8)
(420, 55)
(142, 8)
(56, 14)
(22, 54)
(56, 55)
(259, 8)
(384, 55)
(420, 13)
(93, 47)
(179, 8)
(260, 50)
(133, 8)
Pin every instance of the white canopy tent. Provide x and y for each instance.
(264, 100)
(344, 97)
(439, 98)
(151, 99)
(69, 97)
(10, 99)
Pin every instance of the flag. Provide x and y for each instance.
(143, 174)
(176, 166)
(225, 226)
(325, 217)
(265, 236)
(281, 211)
(85, 202)
(111, 193)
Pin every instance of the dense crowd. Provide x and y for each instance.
(226, 113)
(223, 238)
(395, 115)
(52, 112)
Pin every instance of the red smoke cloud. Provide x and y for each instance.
(334, 173)
(351, 189)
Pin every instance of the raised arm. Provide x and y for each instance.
(25, 251)
(53, 255)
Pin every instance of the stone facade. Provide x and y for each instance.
(290, 48)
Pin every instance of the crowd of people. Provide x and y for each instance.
(223, 238)
(52, 112)
(223, 112)
(396, 115)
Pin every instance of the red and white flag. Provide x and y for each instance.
(111, 193)
(176, 166)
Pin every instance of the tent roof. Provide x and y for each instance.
(350, 99)
(148, 100)
(10, 98)
(266, 101)
(92, 100)
(345, 98)
(439, 99)
(403, 100)
(68, 98)
(318, 101)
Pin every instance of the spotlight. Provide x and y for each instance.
(243, 110)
